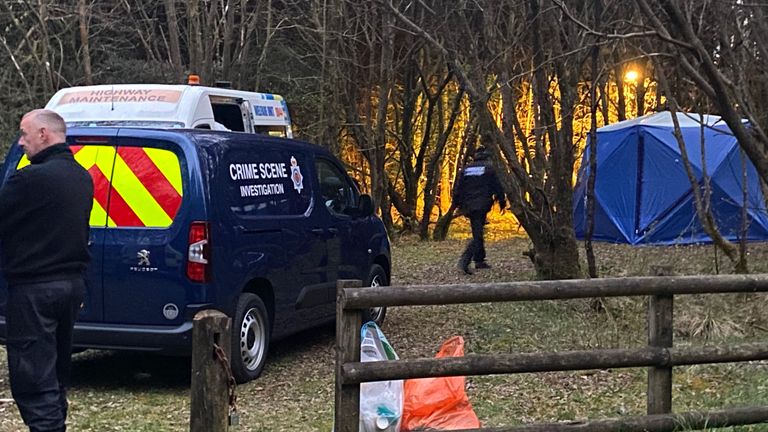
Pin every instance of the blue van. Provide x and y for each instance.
(257, 227)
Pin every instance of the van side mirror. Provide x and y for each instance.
(365, 206)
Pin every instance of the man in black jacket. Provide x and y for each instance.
(476, 189)
(44, 213)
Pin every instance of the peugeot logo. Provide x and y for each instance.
(170, 311)
(143, 256)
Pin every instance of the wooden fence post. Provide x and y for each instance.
(209, 408)
(347, 399)
(660, 325)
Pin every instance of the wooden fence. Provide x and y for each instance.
(659, 356)
(212, 405)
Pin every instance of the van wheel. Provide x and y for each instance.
(250, 338)
(376, 277)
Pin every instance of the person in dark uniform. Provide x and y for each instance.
(44, 213)
(476, 189)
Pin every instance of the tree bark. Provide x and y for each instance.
(701, 202)
(433, 169)
(173, 36)
(594, 85)
(195, 38)
(82, 12)
(227, 41)
(211, 42)
(378, 175)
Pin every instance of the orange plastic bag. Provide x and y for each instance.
(438, 403)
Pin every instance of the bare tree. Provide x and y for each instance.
(593, 143)
(723, 48)
(173, 39)
(702, 194)
(476, 40)
(82, 11)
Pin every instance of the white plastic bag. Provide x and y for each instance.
(381, 402)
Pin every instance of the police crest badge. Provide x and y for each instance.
(298, 179)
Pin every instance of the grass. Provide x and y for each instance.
(138, 392)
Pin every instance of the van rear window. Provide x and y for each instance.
(132, 186)
(146, 188)
(98, 161)
(267, 184)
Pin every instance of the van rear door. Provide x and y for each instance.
(96, 153)
(146, 239)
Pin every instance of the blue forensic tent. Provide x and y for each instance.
(643, 195)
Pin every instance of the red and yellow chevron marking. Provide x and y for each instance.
(146, 185)
(98, 160)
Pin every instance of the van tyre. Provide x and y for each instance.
(376, 277)
(250, 338)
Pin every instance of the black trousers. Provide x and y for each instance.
(40, 318)
(476, 248)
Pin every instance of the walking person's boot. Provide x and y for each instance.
(464, 261)
(464, 266)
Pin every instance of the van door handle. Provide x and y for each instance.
(318, 231)
(333, 230)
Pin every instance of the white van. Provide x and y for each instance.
(173, 106)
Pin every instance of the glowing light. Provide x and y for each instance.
(631, 76)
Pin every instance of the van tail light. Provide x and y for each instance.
(199, 252)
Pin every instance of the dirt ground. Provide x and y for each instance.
(138, 392)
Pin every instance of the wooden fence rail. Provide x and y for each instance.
(659, 356)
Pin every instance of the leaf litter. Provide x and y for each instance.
(115, 391)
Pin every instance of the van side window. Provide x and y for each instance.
(275, 131)
(336, 192)
(228, 113)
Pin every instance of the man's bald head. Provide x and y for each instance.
(48, 119)
(40, 129)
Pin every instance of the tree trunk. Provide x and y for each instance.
(227, 41)
(210, 43)
(48, 81)
(553, 254)
(701, 198)
(434, 171)
(407, 144)
(173, 35)
(386, 214)
(195, 43)
(248, 26)
(440, 232)
(640, 92)
(82, 12)
(622, 102)
(330, 125)
(269, 32)
(379, 140)
(595, 84)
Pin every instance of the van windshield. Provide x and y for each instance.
(128, 123)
